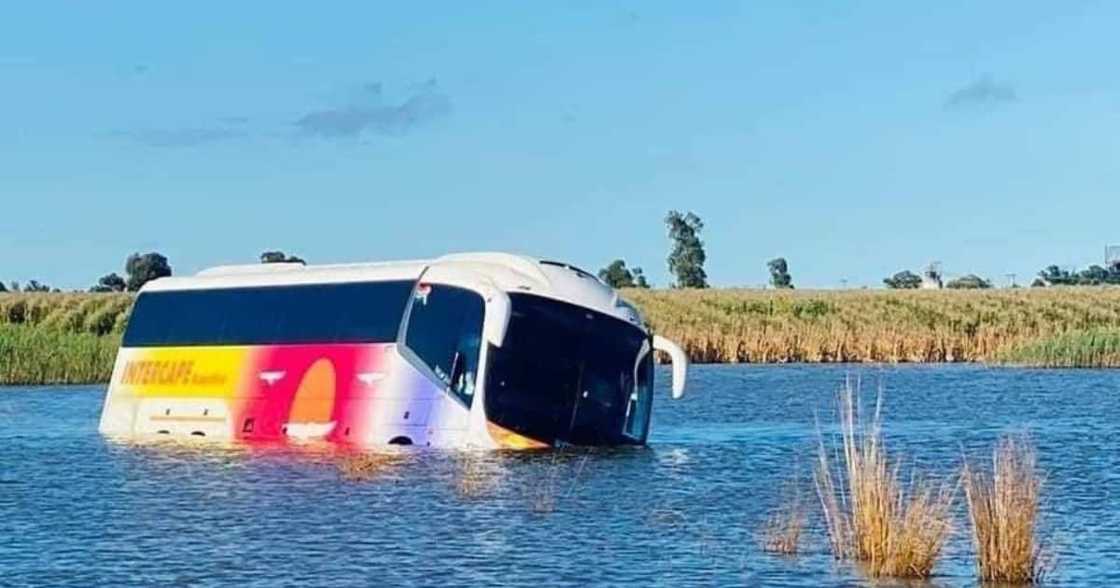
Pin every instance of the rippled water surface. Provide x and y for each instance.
(76, 509)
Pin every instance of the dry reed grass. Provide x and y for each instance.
(871, 516)
(1061, 327)
(95, 314)
(1003, 508)
(771, 326)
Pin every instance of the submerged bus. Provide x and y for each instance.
(484, 350)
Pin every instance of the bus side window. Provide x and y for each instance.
(444, 331)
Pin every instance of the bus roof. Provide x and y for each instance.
(508, 272)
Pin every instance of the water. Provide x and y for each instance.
(76, 509)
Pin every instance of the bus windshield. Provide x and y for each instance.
(569, 374)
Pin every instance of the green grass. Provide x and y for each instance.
(1098, 347)
(43, 356)
(60, 338)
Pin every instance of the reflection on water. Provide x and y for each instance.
(77, 509)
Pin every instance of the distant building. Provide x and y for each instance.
(931, 278)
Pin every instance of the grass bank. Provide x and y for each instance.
(71, 338)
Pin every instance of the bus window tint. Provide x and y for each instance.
(564, 373)
(363, 312)
(444, 331)
(532, 378)
(606, 385)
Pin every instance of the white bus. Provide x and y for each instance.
(477, 349)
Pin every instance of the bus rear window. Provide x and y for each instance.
(367, 312)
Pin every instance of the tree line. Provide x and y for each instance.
(686, 259)
(686, 264)
(1094, 275)
(139, 269)
(908, 280)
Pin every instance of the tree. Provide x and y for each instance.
(142, 269)
(616, 275)
(1114, 272)
(779, 273)
(1055, 276)
(34, 286)
(969, 282)
(110, 283)
(686, 260)
(904, 280)
(13, 286)
(640, 278)
(273, 257)
(3, 288)
(1094, 275)
(280, 257)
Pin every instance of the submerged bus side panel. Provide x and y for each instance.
(364, 394)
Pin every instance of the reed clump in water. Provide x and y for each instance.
(892, 528)
(784, 526)
(1003, 507)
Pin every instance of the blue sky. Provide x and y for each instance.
(855, 139)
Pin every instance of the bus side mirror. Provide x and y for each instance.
(497, 317)
(680, 363)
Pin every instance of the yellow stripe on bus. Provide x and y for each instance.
(184, 372)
